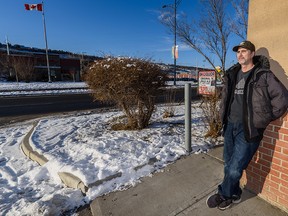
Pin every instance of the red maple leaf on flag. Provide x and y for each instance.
(37, 7)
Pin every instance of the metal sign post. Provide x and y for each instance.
(188, 117)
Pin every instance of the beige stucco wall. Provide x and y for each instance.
(268, 30)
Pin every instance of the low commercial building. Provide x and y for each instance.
(267, 174)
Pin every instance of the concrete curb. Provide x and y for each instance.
(72, 181)
(68, 179)
(216, 153)
(29, 152)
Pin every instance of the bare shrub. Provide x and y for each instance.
(24, 67)
(210, 108)
(6, 69)
(3, 66)
(129, 82)
(170, 97)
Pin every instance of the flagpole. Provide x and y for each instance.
(45, 36)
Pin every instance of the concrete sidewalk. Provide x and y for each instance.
(181, 189)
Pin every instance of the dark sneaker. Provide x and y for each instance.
(236, 199)
(225, 204)
(214, 200)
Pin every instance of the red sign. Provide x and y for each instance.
(207, 82)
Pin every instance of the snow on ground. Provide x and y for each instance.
(41, 88)
(84, 145)
(40, 85)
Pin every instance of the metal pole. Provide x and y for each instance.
(175, 23)
(188, 117)
(46, 43)
(8, 60)
(7, 46)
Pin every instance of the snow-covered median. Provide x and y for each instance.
(85, 146)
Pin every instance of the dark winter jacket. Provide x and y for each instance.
(265, 98)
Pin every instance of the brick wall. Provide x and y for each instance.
(267, 173)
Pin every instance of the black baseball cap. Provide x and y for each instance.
(245, 44)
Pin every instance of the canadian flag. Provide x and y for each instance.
(33, 7)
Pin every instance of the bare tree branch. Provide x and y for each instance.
(209, 35)
(5, 65)
(239, 23)
(24, 67)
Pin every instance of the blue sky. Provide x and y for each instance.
(97, 27)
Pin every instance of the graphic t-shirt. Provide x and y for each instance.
(236, 111)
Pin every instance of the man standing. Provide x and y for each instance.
(252, 97)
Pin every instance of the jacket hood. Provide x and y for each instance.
(263, 61)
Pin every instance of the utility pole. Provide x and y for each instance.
(175, 48)
(7, 45)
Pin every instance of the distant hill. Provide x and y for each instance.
(31, 49)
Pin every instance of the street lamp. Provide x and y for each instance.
(176, 3)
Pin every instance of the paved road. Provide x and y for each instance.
(27, 105)
(14, 109)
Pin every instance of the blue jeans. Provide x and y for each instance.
(237, 155)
